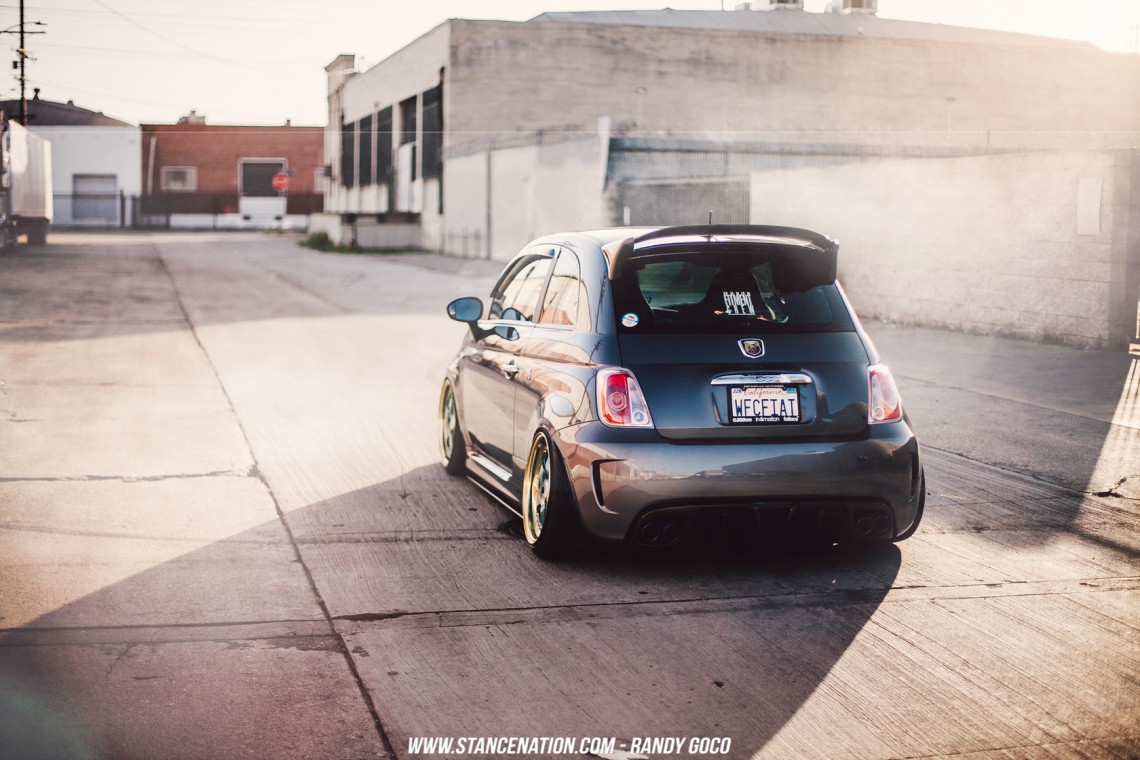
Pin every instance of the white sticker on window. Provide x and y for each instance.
(629, 320)
(739, 303)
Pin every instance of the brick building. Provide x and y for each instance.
(203, 175)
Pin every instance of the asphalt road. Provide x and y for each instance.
(224, 534)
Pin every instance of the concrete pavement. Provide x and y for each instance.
(223, 533)
(153, 600)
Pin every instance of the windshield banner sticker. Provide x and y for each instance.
(739, 303)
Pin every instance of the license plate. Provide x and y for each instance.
(763, 404)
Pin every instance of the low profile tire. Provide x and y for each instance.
(551, 523)
(452, 449)
(918, 515)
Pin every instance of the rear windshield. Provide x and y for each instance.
(724, 292)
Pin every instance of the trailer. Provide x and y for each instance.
(25, 185)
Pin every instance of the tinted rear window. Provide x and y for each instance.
(711, 291)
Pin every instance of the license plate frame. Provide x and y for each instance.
(771, 404)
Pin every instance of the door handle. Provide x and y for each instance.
(511, 370)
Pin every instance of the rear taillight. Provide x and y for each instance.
(886, 406)
(620, 400)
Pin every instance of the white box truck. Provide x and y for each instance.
(25, 184)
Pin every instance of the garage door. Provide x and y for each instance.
(96, 197)
(257, 177)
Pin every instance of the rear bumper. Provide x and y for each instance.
(625, 480)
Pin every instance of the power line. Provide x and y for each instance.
(114, 96)
(118, 52)
(186, 19)
(174, 42)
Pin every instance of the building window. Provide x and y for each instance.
(179, 179)
(367, 136)
(408, 121)
(348, 155)
(384, 145)
(256, 176)
(433, 133)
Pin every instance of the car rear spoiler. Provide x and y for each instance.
(821, 245)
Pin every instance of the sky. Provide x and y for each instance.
(262, 62)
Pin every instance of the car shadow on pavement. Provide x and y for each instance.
(451, 625)
(1041, 440)
(194, 643)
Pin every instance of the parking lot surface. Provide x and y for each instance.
(224, 532)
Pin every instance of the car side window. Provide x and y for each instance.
(498, 295)
(517, 296)
(565, 302)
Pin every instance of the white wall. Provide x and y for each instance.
(515, 181)
(431, 220)
(292, 222)
(1032, 245)
(570, 192)
(535, 190)
(92, 150)
(465, 206)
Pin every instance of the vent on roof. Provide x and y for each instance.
(861, 6)
(192, 118)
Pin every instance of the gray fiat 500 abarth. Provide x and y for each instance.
(650, 386)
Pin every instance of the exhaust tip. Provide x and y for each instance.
(649, 533)
(871, 523)
(663, 529)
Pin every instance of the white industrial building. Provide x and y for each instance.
(481, 135)
(96, 162)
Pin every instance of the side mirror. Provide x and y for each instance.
(468, 309)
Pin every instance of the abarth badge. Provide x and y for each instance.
(751, 347)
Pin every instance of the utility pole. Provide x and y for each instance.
(23, 53)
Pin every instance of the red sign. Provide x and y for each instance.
(280, 182)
